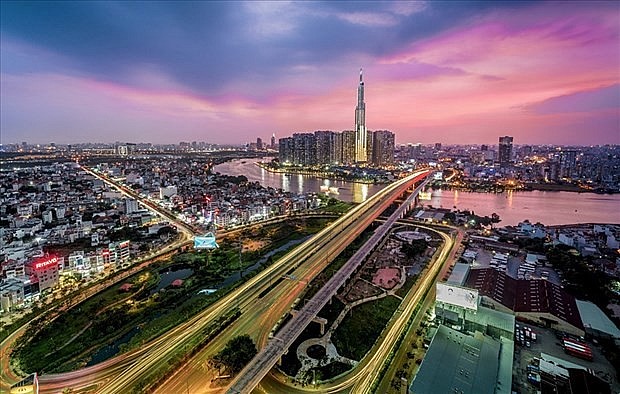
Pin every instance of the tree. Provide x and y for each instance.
(236, 354)
(415, 248)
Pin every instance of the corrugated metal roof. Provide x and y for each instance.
(459, 363)
(459, 274)
(593, 317)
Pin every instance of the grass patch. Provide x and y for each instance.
(290, 364)
(360, 329)
(409, 282)
(54, 344)
(331, 310)
(330, 370)
(154, 314)
(336, 206)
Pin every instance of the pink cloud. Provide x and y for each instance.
(466, 85)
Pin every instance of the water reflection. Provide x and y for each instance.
(347, 191)
(285, 183)
(549, 208)
(513, 207)
(300, 184)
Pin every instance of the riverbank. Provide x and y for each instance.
(323, 174)
(547, 207)
(527, 187)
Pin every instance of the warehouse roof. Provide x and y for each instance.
(459, 363)
(594, 318)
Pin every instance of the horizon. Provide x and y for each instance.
(457, 73)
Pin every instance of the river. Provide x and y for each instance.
(297, 183)
(546, 207)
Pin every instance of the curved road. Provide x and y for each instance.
(117, 375)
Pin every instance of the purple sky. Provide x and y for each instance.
(228, 72)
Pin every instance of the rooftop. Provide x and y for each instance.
(459, 274)
(525, 295)
(594, 318)
(459, 363)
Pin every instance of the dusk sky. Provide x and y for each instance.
(228, 72)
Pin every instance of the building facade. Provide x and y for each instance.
(505, 151)
(325, 147)
(361, 135)
(382, 148)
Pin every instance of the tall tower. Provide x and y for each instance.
(361, 137)
(505, 151)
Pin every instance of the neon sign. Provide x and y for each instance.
(46, 263)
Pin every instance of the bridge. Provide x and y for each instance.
(262, 363)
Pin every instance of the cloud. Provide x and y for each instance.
(605, 98)
(224, 72)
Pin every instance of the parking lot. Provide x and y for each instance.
(548, 343)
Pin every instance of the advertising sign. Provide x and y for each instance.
(206, 241)
(455, 295)
(45, 263)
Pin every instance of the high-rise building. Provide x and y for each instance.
(383, 148)
(259, 143)
(285, 150)
(337, 148)
(131, 206)
(324, 146)
(273, 141)
(568, 163)
(505, 151)
(304, 149)
(361, 137)
(348, 147)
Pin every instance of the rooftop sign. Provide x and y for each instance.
(46, 263)
(455, 295)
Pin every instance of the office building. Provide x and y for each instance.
(383, 148)
(325, 147)
(505, 151)
(348, 147)
(568, 163)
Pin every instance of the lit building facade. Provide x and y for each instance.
(44, 270)
(350, 147)
(361, 135)
(505, 151)
(383, 148)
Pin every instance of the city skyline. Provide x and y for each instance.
(460, 73)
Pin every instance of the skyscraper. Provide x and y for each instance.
(383, 148)
(273, 141)
(568, 163)
(361, 137)
(348, 147)
(505, 151)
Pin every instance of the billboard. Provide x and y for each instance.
(455, 295)
(46, 262)
(206, 241)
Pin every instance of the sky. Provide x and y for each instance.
(228, 72)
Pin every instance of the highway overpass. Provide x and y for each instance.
(254, 372)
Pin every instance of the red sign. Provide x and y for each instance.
(46, 263)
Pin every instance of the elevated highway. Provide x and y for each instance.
(119, 374)
(254, 372)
